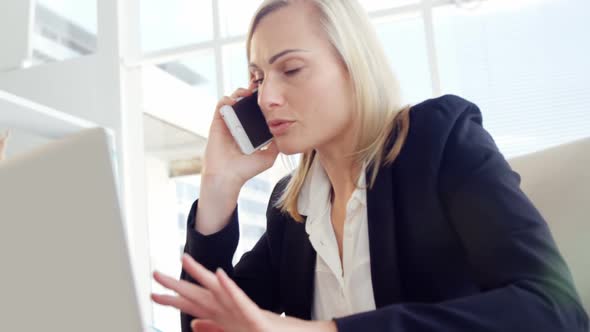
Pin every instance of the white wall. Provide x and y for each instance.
(69, 86)
(16, 27)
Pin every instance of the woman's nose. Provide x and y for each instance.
(270, 97)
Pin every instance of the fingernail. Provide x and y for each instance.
(194, 324)
(220, 271)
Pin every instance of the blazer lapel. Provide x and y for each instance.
(298, 271)
(382, 240)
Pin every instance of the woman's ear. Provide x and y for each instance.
(3, 143)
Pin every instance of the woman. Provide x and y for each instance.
(395, 219)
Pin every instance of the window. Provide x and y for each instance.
(63, 30)
(235, 64)
(191, 82)
(524, 64)
(235, 16)
(373, 5)
(404, 42)
(175, 23)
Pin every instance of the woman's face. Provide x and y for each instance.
(304, 88)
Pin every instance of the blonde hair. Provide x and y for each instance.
(376, 90)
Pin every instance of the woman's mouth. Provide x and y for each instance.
(279, 127)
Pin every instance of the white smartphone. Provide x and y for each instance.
(247, 124)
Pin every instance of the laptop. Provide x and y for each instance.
(64, 259)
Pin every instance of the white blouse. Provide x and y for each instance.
(339, 289)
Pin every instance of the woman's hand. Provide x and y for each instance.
(223, 156)
(222, 306)
(225, 170)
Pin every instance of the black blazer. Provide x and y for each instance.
(455, 245)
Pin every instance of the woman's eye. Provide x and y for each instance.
(292, 72)
(258, 80)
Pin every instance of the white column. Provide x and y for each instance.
(17, 24)
(120, 89)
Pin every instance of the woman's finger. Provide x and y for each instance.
(183, 287)
(205, 325)
(241, 92)
(181, 304)
(247, 306)
(194, 293)
(205, 277)
(225, 101)
(208, 280)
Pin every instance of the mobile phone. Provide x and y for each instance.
(247, 124)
